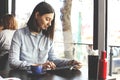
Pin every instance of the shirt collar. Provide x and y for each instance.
(27, 31)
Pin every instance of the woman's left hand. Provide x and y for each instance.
(77, 65)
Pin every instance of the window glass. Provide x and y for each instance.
(113, 22)
(114, 34)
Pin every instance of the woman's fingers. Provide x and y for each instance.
(52, 65)
(49, 65)
(76, 64)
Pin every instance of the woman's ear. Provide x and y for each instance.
(36, 15)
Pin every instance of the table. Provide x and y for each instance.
(64, 74)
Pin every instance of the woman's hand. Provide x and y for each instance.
(77, 65)
(49, 65)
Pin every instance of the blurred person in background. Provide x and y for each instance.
(9, 24)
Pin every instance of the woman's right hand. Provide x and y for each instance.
(49, 65)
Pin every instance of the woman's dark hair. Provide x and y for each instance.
(42, 8)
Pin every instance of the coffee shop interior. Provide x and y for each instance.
(82, 28)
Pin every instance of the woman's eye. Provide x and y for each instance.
(48, 19)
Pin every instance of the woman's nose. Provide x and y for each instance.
(49, 23)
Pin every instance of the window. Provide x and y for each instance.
(114, 34)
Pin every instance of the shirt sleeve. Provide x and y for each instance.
(14, 54)
(57, 60)
(4, 44)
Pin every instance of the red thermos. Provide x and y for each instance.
(102, 73)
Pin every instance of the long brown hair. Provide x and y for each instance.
(42, 8)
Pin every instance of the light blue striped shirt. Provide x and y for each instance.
(27, 49)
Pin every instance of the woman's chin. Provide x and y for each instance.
(44, 28)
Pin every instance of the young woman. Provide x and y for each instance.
(33, 44)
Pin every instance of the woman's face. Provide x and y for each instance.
(44, 21)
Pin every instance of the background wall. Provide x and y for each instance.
(3, 7)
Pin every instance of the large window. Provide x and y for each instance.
(114, 34)
(113, 22)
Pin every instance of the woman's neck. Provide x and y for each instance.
(33, 32)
